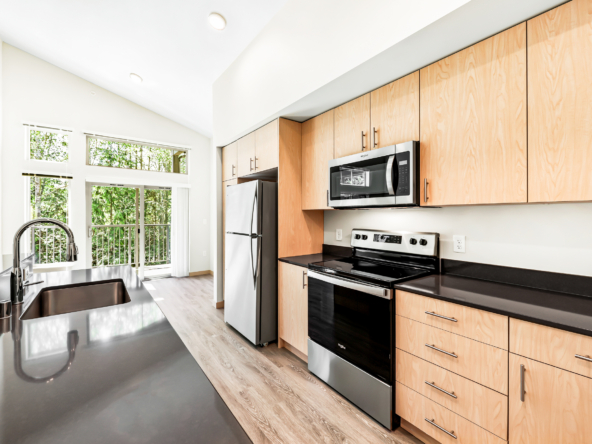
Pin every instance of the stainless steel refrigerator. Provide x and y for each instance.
(250, 273)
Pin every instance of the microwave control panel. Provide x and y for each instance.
(403, 161)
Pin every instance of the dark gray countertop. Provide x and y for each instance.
(129, 378)
(303, 261)
(554, 309)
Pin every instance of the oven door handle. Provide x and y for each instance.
(374, 290)
(389, 175)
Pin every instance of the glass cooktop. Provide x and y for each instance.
(369, 271)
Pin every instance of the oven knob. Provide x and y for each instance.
(413, 241)
(358, 236)
(364, 237)
(423, 242)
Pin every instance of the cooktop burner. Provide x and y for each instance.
(367, 270)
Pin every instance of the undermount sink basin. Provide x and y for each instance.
(68, 299)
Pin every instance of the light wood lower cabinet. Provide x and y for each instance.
(480, 325)
(474, 360)
(445, 426)
(293, 307)
(557, 405)
(475, 402)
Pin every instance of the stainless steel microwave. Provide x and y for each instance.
(385, 177)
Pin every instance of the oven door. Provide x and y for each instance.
(379, 178)
(353, 320)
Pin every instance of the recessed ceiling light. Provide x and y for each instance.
(217, 21)
(135, 78)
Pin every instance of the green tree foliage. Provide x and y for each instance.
(49, 146)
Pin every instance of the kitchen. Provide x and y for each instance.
(400, 249)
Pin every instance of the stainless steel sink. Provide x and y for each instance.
(78, 297)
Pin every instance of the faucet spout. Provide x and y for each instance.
(16, 276)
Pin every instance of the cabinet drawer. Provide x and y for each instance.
(474, 360)
(480, 325)
(417, 409)
(485, 407)
(552, 346)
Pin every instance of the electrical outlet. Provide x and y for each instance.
(338, 234)
(459, 243)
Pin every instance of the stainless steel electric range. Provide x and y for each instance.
(351, 315)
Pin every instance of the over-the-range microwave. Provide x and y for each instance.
(384, 177)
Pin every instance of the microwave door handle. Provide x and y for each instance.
(389, 175)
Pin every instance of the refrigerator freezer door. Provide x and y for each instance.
(241, 208)
(241, 307)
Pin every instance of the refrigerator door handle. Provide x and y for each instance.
(251, 241)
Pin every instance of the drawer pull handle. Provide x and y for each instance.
(441, 428)
(433, 347)
(522, 392)
(431, 384)
(303, 279)
(585, 358)
(431, 313)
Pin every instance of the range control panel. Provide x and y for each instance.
(401, 242)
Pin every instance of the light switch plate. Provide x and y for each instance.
(458, 242)
(338, 234)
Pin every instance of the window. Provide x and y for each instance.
(47, 144)
(48, 196)
(119, 153)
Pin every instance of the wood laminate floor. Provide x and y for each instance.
(269, 390)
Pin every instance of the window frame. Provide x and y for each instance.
(172, 148)
(31, 126)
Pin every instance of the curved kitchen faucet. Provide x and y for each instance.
(16, 276)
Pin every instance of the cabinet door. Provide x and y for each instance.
(395, 112)
(229, 161)
(559, 98)
(317, 150)
(267, 146)
(473, 124)
(352, 127)
(557, 404)
(293, 306)
(246, 155)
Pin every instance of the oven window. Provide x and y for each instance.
(353, 325)
(365, 179)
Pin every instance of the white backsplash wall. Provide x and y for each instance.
(556, 237)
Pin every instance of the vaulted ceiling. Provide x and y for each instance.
(170, 44)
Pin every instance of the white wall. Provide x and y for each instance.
(553, 237)
(38, 92)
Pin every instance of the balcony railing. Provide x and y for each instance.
(111, 244)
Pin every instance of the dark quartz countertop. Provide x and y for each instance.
(555, 309)
(303, 261)
(117, 374)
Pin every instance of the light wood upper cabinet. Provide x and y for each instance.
(559, 98)
(267, 146)
(557, 404)
(229, 162)
(317, 150)
(352, 127)
(473, 123)
(293, 306)
(246, 155)
(395, 112)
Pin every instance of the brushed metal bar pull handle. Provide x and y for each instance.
(363, 147)
(433, 347)
(431, 313)
(431, 384)
(375, 144)
(441, 428)
(522, 392)
(425, 190)
(327, 197)
(250, 164)
(233, 171)
(255, 162)
(303, 279)
(585, 358)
